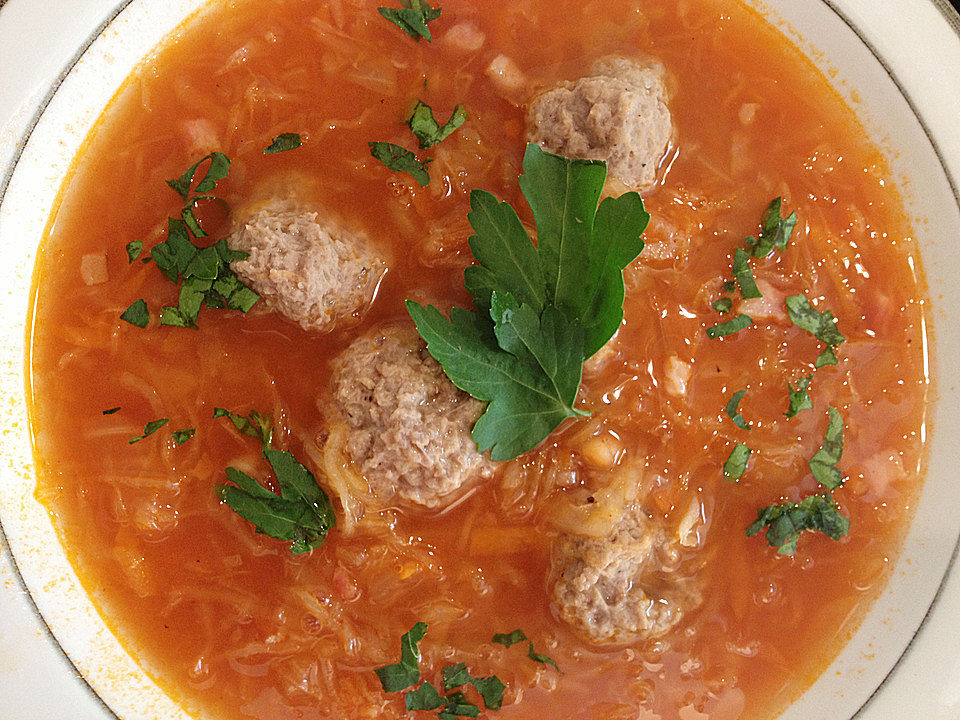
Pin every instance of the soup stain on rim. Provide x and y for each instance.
(948, 13)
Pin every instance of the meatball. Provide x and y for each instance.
(409, 425)
(313, 272)
(618, 114)
(612, 589)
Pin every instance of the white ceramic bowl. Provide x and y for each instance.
(896, 61)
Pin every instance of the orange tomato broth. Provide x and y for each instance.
(229, 622)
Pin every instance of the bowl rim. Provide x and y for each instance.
(950, 16)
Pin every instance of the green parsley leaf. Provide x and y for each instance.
(458, 706)
(182, 436)
(731, 410)
(799, 397)
(736, 463)
(775, 230)
(510, 638)
(302, 513)
(490, 688)
(283, 142)
(111, 411)
(406, 672)
(823, 326)
(729, 327)
(427, 130)
(784, 522)
(530, 392)
(425, 697)
(134, 248)
(137, 314)
(401, 160)
(729, 286)
(217, 170)
(544, 308)
(255, 425)
(149, 429)
(823, 465)
(412, 18)
(743, 275)
(537, 657)
(723, 305)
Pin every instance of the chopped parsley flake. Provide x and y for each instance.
(458, 706)
(823, 326)
(111, 411)
(823, 465)
(731, 410)
(412, 18)
(134, 248)
(784, 522)
(401, 160)
(537, 657)
(427, 130)
(490, 688)
(729, 327)
(137, 314)
(255, 425)
(301, 514)
(799, 397)
(723, 305)
(405, 673)
(743, 275)
(736, 463)
(510, 638)
(425, 697)
(283, 142)
(149, 429)
(182, 436)
(544, 308)
(775, 230)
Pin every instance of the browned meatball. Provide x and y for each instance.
(311, 271)
(615, 588)
(410, 426)
(618, 113)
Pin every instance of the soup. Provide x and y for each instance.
(232, 623)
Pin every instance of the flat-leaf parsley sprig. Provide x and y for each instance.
(543, 308)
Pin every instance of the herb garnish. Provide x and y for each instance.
(490, 688)
(427, 130)
(283, 142)
(729, 327)
(538, 657)
(775, 230)
(823, 326)
(736, 463)
(134, 248)
(182, 436)
(743, 275)
(255, 425)
(405, 673)
(799, 397)
(723, 305)
(111, 411)
(785, 522)
(149, 429)
(544, 308)
(823, 465)
(401, 160)
(302, 513)
(412, 18)
(425, 697)
(511, 638)
(137, 314)
(458, 706)
(217, 170)
(731, 410)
